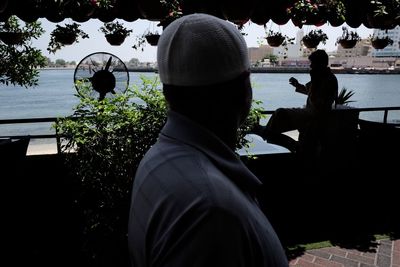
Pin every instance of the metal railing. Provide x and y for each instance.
(57, 136)
(34, 136)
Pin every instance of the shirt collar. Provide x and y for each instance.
(181, 128)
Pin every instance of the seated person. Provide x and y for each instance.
(321, 93)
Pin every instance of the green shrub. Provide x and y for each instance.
(108, 139)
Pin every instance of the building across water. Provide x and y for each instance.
(392, 50)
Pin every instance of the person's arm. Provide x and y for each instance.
(300, 88)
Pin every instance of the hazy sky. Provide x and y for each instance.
(97, 41)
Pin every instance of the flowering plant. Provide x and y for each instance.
(174, 11)
(348, 39)
(336, 10)
(303, 11)
(100, 3)
(348, 35)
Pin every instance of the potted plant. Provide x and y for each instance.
(378, 42)
(174, 11)
(276, 39)
(382, 14)
(20, 63)
(11, 33)
(12, 37)
(115, 32)
(335, 12)
(152, 38)
(344, 96)
(348, 39)
(313, 38)
(149, 37)
(306, 12)
(65, 35)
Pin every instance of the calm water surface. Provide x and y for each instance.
(55, 96)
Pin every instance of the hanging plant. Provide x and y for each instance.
(335, 12)
(378, 42)
(65, 35)
(306, 12)
(314, 38)
(20, 63)
(115, 32)
(152, 38)
(276, 39)
(174, 11)
(348, 39)
(383, 14)
(12, 38)
(11, 33)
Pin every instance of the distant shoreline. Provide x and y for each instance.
(275, 70)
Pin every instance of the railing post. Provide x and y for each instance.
(385, 114)
(58, 140)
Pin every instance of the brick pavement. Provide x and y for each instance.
(386, 254)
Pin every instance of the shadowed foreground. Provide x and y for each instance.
(346, 203)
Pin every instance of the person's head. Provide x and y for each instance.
(318, 59)
(204, 66)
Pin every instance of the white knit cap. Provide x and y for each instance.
(200, 49)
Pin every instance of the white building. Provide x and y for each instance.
(391, 50)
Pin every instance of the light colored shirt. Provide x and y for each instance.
(193, 205)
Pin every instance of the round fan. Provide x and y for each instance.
(105, 73)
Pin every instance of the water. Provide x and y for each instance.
(55, 96)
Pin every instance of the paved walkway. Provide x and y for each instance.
(386, 254)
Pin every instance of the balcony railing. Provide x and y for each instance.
(57, 136)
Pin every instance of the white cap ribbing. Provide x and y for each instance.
(201, 49)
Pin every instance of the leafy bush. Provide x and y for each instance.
(108, 139)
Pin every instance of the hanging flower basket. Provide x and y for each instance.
(115, 39)
(275, 41)
(65, 35)
(152, 38)
(348, 39)
(347, 44)
(115, 32)
(313, 38)
(306, 12)
(12, 38)
(311, 43)
(335, 13)
(380, 43)
(66, 39)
